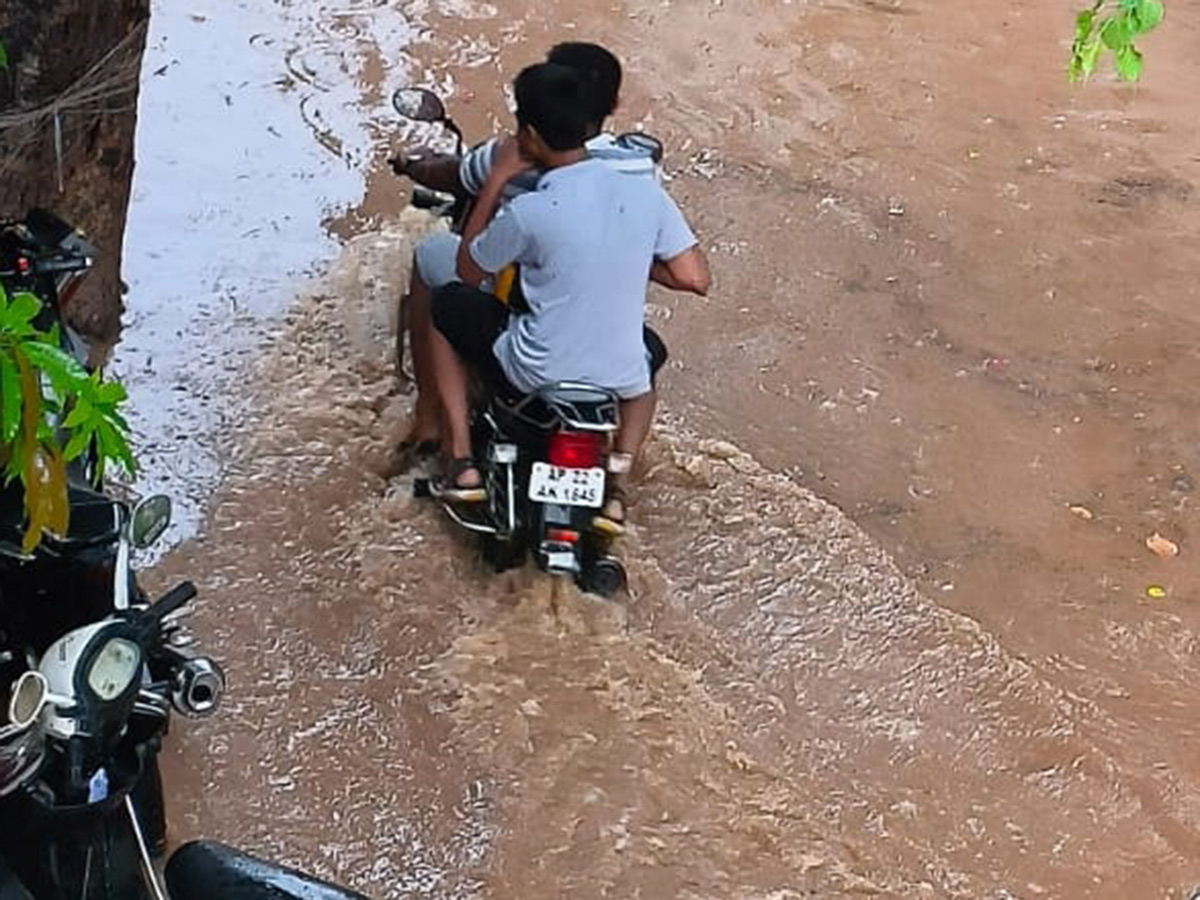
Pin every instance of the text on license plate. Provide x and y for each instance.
(568, 487)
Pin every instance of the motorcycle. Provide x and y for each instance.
(544, 456)
(92, 674)
(45, 256)
(90, 670)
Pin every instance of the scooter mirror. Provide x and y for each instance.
(151, 517)
(30, 693)
(419, 104)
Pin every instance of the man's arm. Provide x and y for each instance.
(679, 263)
(436, 171)
(507, 165)
(686, 271)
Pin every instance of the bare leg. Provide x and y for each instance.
(426, 419)
(451, 377)
(637, 415)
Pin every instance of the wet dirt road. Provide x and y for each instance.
(953, 298)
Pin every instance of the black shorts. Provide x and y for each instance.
(472, 319)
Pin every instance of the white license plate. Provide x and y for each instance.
(567, 487)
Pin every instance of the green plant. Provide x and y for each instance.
(1112, 25)
(51, 412)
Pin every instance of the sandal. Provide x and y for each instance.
(611, 518)
(449, 485)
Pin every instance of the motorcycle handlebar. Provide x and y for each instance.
(424, 198)
(173, 599)
(61, 266)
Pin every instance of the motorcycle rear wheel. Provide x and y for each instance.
(502, 555)
(605, 577)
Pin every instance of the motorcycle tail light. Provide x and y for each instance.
(562, 536)
(575, 450)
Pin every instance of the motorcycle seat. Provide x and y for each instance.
(95, 519)
(204, 870)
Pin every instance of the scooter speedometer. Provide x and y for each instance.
(114, 668)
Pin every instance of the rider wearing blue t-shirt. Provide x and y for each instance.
(587, 241)
(434, 262)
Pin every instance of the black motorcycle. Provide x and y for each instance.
(544, 455)
(45, 256)
(89, 669)
(89, 672)
(543, 458)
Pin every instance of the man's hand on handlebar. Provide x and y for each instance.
(430, 168)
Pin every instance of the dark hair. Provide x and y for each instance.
(550, 99)
(601, 73)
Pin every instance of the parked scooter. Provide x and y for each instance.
(90, 670)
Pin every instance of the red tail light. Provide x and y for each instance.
(575, 450)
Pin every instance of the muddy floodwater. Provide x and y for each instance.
(896, 626)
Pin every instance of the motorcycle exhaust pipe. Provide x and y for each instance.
(199, 684)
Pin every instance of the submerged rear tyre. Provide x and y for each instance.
(503, 555)
(605, 577)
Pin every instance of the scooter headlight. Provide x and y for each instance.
(114, 668)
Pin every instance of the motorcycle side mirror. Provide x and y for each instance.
(29, 696)
(151, 517)
(648, 144)
(419, 104)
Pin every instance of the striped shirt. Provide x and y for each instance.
(622, 154)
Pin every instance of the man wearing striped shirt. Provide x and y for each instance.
(434, 262)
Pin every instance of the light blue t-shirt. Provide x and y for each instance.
(585, 241)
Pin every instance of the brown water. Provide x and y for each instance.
(953, 299)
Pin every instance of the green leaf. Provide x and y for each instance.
(64, 371)
(78, 443)
(118, 420)
(1083, 26)
(1148, 15)
(24, 306)
(1117, 32)
(1088, 57)
(111, 393)
(80, 413)
(10, 399)
(114, 446)
(3, 57)
(52, 410)
(1129, 63)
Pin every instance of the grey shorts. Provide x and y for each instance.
(437, 258)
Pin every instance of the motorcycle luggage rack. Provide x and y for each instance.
(582, 406)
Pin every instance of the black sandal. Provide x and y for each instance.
(447, 487)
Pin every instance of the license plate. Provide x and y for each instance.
(567, 487)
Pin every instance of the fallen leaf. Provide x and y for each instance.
(1158, 544)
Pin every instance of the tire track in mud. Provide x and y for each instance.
(776, 712)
